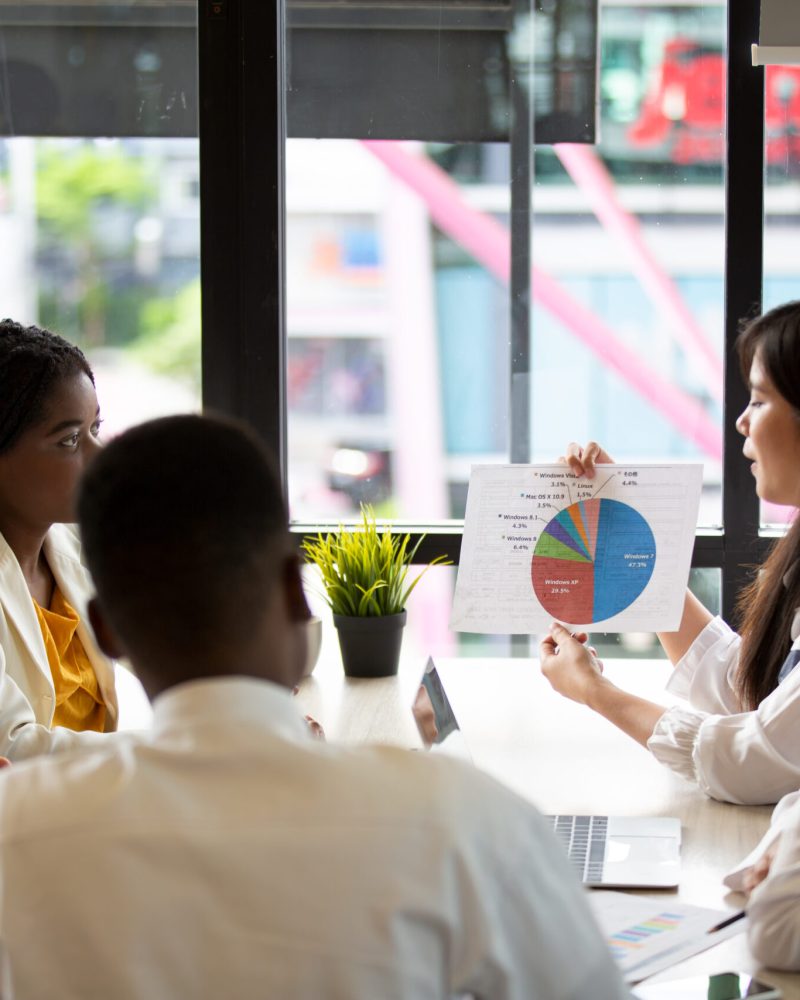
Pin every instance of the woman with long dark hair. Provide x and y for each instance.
(55, 684)
(739, 738)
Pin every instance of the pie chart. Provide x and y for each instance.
(592, 561)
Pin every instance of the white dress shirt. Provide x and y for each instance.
(745, 757)
(230, 855)
(773, 909)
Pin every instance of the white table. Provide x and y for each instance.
(564, 759)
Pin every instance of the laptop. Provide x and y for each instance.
(633, 852)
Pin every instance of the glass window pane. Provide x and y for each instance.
(398, 239)
(400, 367)
(629, 239)
(99, 196)
(397, 337)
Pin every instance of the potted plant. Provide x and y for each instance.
(364, 575)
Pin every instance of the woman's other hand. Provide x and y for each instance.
(760, 869)
(582, 460)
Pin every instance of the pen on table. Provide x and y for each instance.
(726, 923)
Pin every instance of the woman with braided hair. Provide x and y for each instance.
(56, 688)
(737, 736)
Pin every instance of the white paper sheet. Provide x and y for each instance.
(541, 544)
(647, 934)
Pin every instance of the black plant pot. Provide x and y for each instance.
(370, 646)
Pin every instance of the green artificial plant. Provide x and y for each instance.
(364, 570)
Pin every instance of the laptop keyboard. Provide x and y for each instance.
(584, 839)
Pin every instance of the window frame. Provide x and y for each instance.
(242, 127)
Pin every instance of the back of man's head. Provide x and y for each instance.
(184, 530)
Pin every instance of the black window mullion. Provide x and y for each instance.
(242, 133)
(744, 238)
(218, 127)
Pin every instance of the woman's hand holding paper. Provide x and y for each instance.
(582, 460)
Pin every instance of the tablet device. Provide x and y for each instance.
(436, 721)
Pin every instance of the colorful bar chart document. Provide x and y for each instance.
(646, 934)
(542, 544)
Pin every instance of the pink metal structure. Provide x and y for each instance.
(592, 177)
(488, 242)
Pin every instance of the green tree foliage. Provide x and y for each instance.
(78, 190)
(170, 341)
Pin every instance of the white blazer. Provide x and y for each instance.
(27, 693)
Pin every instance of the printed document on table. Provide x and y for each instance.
(647, 934)
(542, 544)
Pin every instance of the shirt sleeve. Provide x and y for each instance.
(523, 915)
(673, 741)
(705, 674)
(752, 758)
(774, 906)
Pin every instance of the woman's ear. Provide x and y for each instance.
(293, 589)
(103, 632)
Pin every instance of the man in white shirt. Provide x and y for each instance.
(229, 854)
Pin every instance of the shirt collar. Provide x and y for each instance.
(226, 702)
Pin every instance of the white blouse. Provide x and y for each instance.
(745, 757)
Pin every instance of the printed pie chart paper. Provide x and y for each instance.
(542, 544)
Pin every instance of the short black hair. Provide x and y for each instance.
(32, 362)
(185, 531)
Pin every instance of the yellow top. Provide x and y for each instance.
(79, 704)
